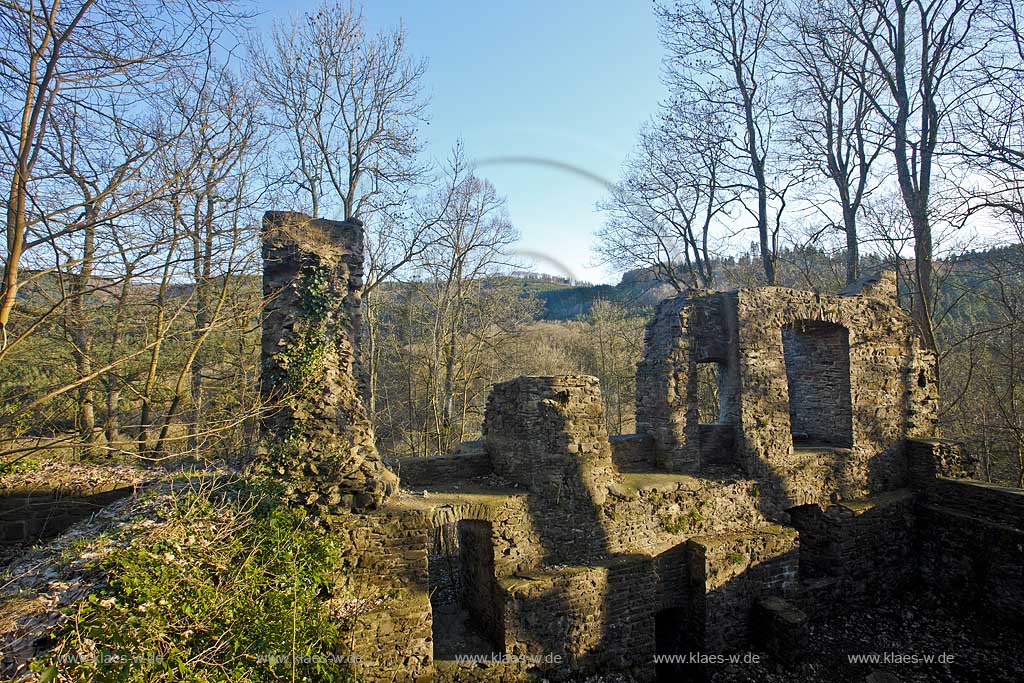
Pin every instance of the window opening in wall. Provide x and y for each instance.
(710, 397)
(818, 372)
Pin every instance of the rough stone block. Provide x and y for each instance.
(780, 628)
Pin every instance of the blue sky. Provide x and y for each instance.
(566, 82)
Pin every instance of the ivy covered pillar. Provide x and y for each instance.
(318, 438)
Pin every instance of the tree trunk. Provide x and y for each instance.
(852, 247)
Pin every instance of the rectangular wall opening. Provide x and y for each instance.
(716, 413)
(715, 394)
(818, 372)
(467, 615)
(670, 638)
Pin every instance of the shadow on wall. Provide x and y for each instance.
(596, 609)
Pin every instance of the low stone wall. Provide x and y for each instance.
(727, 573)
(604, 618)
(971, 545)
(864, 548)
(29, 516)
(443, 469)
(931, 458)
(385, 574)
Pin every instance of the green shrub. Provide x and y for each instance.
(225, 586)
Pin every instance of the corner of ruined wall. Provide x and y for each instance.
(690, 329)
(728, 573)
(549, 433)
(382, 593)
(970, 533)
(661, 378)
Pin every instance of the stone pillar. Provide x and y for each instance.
(549, 434)
(318, 437)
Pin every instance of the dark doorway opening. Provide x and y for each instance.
(467, 614)
(670, 641)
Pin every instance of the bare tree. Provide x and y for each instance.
(920, 51)
(469, 241)
(990, 130)
(720, 53)
(349, 105)
(834, 126)
(100, 59)
(673, 190)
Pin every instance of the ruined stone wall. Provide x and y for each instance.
(28, 516)
(661, 384)
(880, 351)
(856, 553)
(973, 559)
(633, 452)
(416, 471)
(684, 332)
(856, 379)
(483, 596)
(319, 439)
(384, 577)
(604, 619)
(970, 533)
(652, 513)
(727, 573)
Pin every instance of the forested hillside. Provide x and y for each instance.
(140, 157)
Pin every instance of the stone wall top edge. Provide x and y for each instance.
(976, 483)
(548, 380)
(280, 217)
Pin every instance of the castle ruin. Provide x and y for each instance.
(819, 481)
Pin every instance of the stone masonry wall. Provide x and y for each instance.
(970, 533)
(27, 517)
(727, 573)
(603, 621)
(863, 552)
(385, 577)
(549, 434)
(858, 378)
(319, 438)
(661, 384)
(684, 332)
(881, 347)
